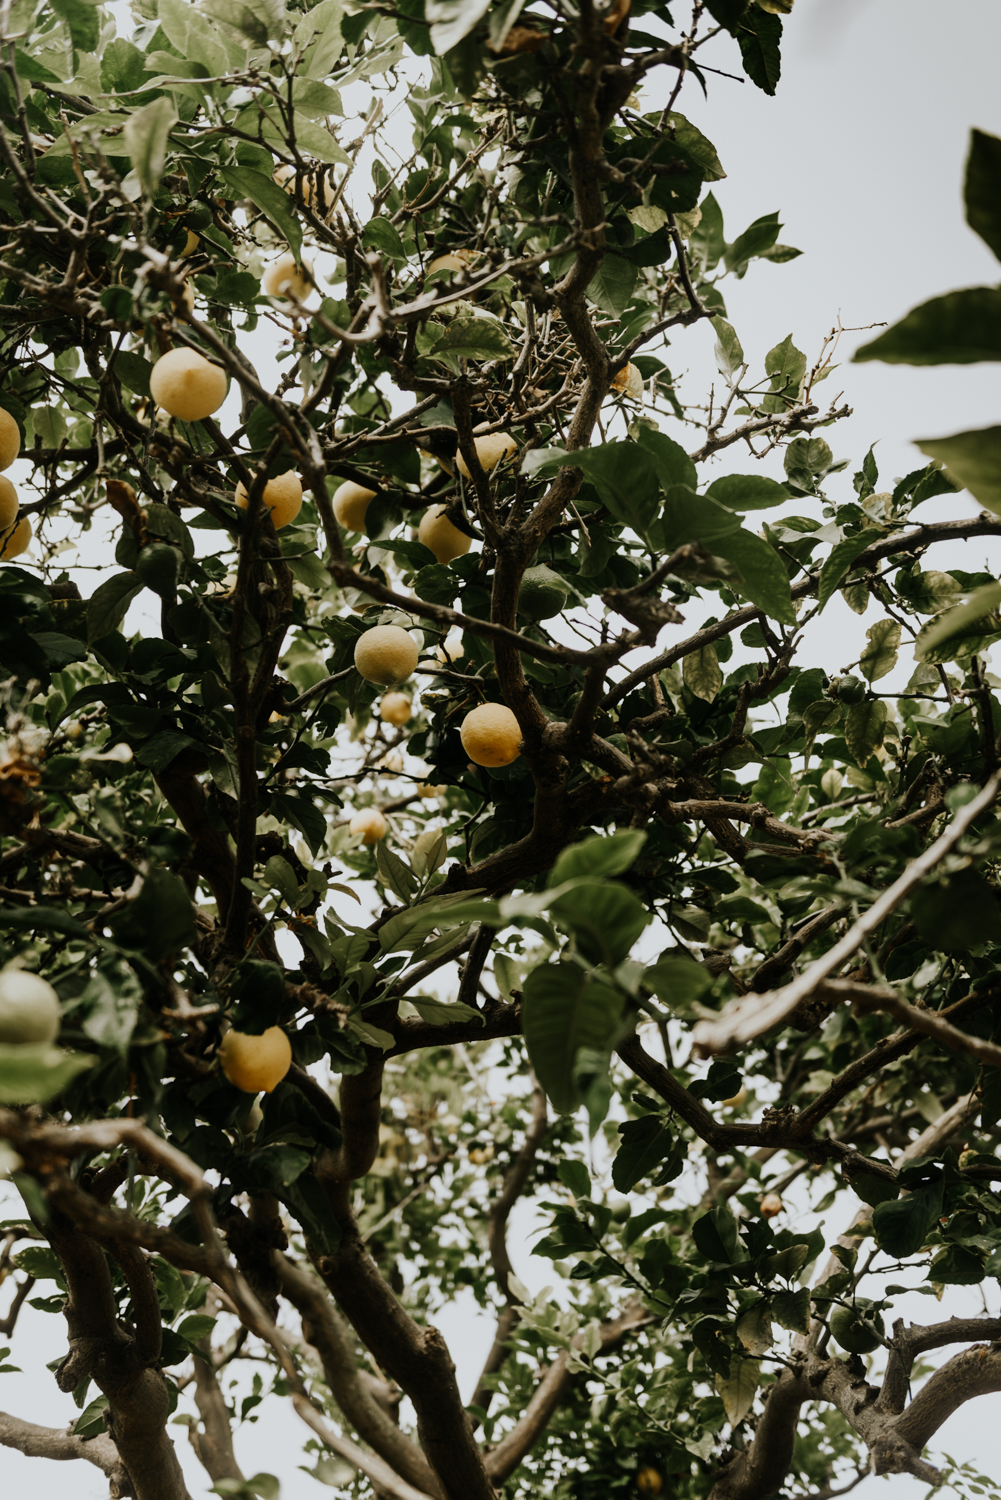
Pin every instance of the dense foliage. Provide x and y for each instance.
(681, 946)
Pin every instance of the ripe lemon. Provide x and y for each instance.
(10, 439)
(441, 537)
(29, 1009)
(253, 1063)
(630, 382)
(285, 178)
(370, 824)
(649, 1482)
(770, 1205)
(16, 540)
(191, 244)
(282, 495)
(350, 504)
(491, 735)
(186, 385)
(8, 502)
(285, 279)
(857, 1329)
(396, 708)
(425, 789)
(385, 654)
(491, 449)
(452, 261)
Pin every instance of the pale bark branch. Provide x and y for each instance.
(60, 1444)
(751, 1016)
(385, 1481)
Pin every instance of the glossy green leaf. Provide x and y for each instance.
(145, 137)
(747, 492)
(960, 328)
(107, 605)
(950, 631)
(982, 190)
(563, 1011)
(760, 37)
(865, 727)
(972, 460)
(601, 854)
(838, 565)
(244, 182)
(612, 285)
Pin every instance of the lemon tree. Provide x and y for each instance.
(439, 881)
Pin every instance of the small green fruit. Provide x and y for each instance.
(30, 1013)
(158, 565)
(543, 593)
(857, 1329)
(847, 690)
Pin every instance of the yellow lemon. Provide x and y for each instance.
(16, 540)
(282, 496)
(649, 1482)
(10, 439)
(370, 824)
(491, 735)
(395, 708)
(186, 385)
(452, 261)
(8, 503)
(441, 537)
(491, 449)
(385, 654)
(285, 279)
(350, 504)
(253, 1063)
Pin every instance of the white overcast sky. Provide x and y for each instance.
(862, 152)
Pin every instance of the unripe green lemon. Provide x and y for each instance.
(158, 565)
(10, 439)
(848, 689)
(858, 1329)
(30, 1012)
(491, 735)
(543, 593)
(385, 654)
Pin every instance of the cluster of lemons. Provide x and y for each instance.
(14, 534)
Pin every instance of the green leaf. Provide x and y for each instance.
(90, 1423)
(611, 287)
(671, 461)
(756, 239)
(194, 36)
(786, 365)
(272, 200)
(122, 69)
(677, 982)
(111, 1004)
(958, 911)
(960, 328)
(133, 370)
(957, 1266)
(972, 461)
(84, 23)
(760, 37)
(160, 920)
(380, 234)
(33, 1075)
(792, 1309)
(747, 492)
(575, 1176)
(754, 1329)
(260, 21)
(145, 138)
(764, 580)
(451, 20)
(443, 1012)
(606, 919)
(982, 189)
(944, 636)
(279, 875)
(701, 674)
(880, 655)
(565, 1011)
(864, 728)
(107, 606)
(474, 338)
(319, 31)
(838, 565)
(162, 748)
(715, 1235)
(601, 854)
(646, 1142)
(901, 1227)
(738, 1389)
(697, 146)
(728, 352)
